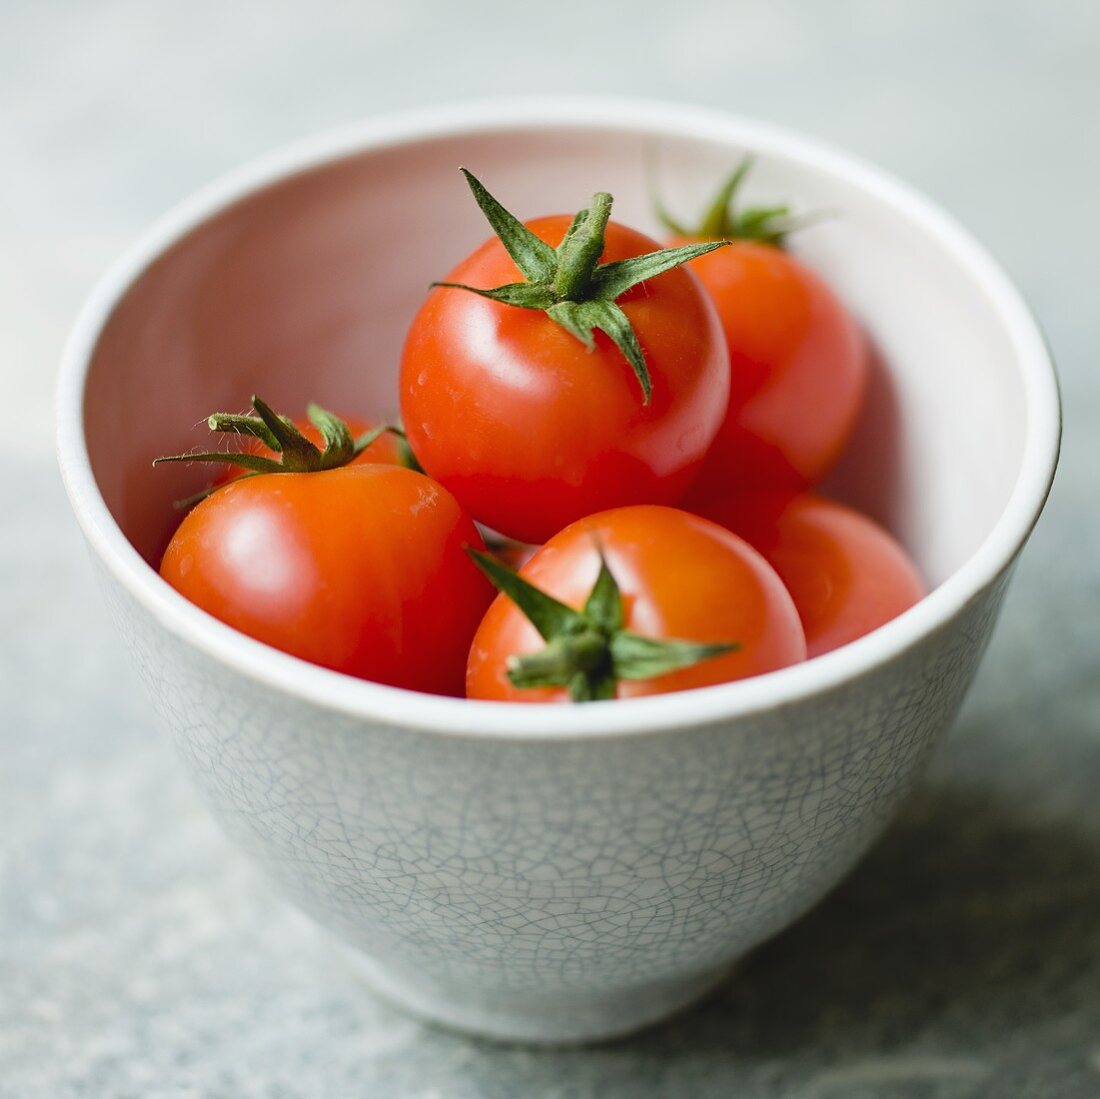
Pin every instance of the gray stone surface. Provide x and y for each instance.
(140, 955)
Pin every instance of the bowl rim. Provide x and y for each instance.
(401, 708)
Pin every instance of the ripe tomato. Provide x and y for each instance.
(361, 569)
(388, 448)
(798, 371)
(530, 429)
(678, 576)
(846, 574)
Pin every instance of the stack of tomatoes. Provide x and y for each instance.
(637, 439)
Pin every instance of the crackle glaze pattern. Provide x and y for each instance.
(556, 890)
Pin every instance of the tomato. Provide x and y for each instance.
(532, 430)
(846, 574)
(361, 569)
(678, 577)
(388, 448)
(798, 370)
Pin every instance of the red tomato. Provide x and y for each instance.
(798, 371)
(361, 569)
(681, 577)
(386, 449)
(532, 431)
(847, 576)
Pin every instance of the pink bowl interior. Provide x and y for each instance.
(303, 291)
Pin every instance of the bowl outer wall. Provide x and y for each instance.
(551, 891)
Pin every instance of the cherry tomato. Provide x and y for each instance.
(387, 448)
(846, 574)
(798, 371)
(361, 569)
(679, 576)
(531, 430)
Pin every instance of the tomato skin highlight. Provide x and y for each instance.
(798, 371)
(681, 577)
(361, 569)
(846, 574)
(532, 431)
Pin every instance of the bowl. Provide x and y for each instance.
(549, 873)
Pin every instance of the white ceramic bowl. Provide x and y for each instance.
(549, 873)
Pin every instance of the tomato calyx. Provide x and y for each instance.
(296, 454)
(588, 651)
(569, 283)
(723, 219)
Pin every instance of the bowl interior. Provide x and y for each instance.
(303, 291)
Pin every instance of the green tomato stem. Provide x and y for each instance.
(569, 283)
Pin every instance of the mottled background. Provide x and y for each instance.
(141, 956)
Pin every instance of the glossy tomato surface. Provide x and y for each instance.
(798, 370)
(361, 569)
(846, 574)
(680, 576)
(386, 449)
(528, 428)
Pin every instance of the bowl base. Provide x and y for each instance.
(535, 1019)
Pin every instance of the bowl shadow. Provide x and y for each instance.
(965, 926)
(962, 908)
(968, 929)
